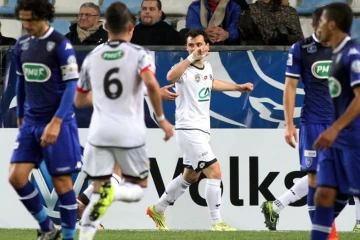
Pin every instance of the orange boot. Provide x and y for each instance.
(333, 235)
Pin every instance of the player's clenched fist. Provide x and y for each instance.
(246, 87)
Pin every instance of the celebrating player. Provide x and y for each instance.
(117, 129)
(47, 70)
(339, 164)
(193, 78)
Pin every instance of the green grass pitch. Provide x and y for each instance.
(28, 234)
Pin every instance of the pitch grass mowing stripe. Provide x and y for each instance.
(29, 234)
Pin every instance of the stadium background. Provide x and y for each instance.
(247, 136)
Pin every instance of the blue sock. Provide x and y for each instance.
(311, 202)
(340, 203)
(323, 219)
(68, 212)
(29, 196)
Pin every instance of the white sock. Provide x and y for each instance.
(357, 205)
(172, 192)
(128, 192)
(298, 191)
(213, 199)
(88, 191)
(88, 228)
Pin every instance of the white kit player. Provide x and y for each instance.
(112, 80)
(194, 81)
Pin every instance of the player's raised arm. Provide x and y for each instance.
(293, 70)
(177, 71)
(83, 95)
(220, 86)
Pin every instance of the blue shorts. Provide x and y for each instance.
(63, 157)
(340, 169)
(307, 136)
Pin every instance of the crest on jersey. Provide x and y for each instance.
(50, 46)
(25, 46)
(211, 77)
(197, 77)
(312, 49)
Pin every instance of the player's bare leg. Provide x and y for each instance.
(172, 192)
(272, 209)
(213, 197)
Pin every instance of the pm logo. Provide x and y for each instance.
(42, 181)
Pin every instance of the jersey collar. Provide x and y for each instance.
(315, 38)
(47, 34)
(342, 44)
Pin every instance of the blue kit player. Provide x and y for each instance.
(310, 60)
(339, 164)
(47, 74)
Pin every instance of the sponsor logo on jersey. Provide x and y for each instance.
(320, 69)
(355, 66)
(112, 55)
(36, 72)
(204, 94)
(334, 87)
(68, 46)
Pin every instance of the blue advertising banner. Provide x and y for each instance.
(263, 108)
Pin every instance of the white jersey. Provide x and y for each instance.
(112, 72)
(193, 104)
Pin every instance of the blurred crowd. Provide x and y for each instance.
(227, 22)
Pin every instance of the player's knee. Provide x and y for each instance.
(213, 171)
(17, 180)
(325, 197)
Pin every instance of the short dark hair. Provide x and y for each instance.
(341, 14)
(91, 5)
(41, 9)
(317, 15)
(159, 5)
(117, 17)
(197, 32)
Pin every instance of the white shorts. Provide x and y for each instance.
(196, 148)
(99, 161)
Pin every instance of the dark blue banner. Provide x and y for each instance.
(263, 108)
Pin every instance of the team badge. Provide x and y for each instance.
(50, 46)
(197, 77)
(309, 161)
(211, 77)
(311, 49)
(25, 46)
